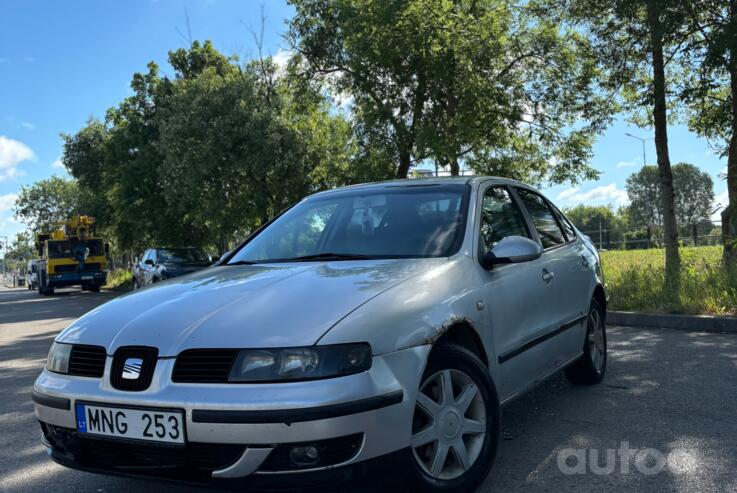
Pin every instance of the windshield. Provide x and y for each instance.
(75, 248)
(387, 222)
(181, 256)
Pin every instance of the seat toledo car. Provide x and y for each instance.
(379, 320)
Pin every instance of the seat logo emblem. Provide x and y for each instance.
(132, 368)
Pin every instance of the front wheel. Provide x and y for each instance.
(456, 424)
(590, 368)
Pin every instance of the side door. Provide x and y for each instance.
(562, 266)
(512, 293)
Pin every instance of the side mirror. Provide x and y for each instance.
(215, 258)
(148, 261)
(512, 250)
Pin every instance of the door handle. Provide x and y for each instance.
(548, 276)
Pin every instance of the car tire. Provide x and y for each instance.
(46, 291)
(95, 288)
(591, 367)
(462, 426)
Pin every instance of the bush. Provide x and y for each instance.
(119, 279)
(635, 282)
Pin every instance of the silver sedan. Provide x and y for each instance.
(364, 322)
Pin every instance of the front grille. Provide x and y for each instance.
(93, 267)
(204, 365)
(193, 461)
(87, 361)
(149, 355)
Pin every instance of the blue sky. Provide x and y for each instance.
(61, 63)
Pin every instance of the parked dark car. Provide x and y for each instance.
(158, 264)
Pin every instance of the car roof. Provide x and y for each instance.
(425, 181)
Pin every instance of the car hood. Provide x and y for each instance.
(249, 306)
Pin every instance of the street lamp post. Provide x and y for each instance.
(644, 156)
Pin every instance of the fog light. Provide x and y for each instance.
(304, 455)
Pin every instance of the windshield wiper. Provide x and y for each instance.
(329, 256)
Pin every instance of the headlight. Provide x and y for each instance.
(306, 363)
(58, 360)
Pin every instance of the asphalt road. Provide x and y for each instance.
(672, 392)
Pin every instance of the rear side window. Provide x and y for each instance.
(543, 218)
(566, 224)
(500, 218)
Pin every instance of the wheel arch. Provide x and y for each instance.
(600, 296)
(463, 334)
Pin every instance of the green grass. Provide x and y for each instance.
(635, 282)
(120, 279)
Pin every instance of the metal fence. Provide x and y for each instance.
(652, 237)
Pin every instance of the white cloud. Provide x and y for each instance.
(28, 125)
(565, 194)
(604, 194)
(12, 153)
(282, 58)
(58, 164)
(7, 201)
(626, 164)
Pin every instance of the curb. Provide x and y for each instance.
(693, 323)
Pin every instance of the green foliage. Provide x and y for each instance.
(635, 281)
(46, 204)
(205, 157)
(22, 247)
(119, 279)
(591, 219)
(483, 81)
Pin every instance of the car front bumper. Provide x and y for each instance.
(370, 412)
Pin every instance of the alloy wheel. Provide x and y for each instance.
(449, 426)
(597, 344)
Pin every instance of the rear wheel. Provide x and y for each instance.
(590, 368)
(455, 430)
(95, 288)
(46, 291)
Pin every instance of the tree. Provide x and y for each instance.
(46, 204)
(207, 155)
(594, 219)
(21, 249)
(477, 80)
(694, 197)
(637, 44)
(710, 92)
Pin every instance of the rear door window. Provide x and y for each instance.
(543, 218)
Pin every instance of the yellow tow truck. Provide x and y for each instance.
(72, 256)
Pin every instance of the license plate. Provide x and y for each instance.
(137, 424)
(87, 278)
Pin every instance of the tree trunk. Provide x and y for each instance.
(667, 196)
(455, 169)
(405, 159)
(729, 214)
